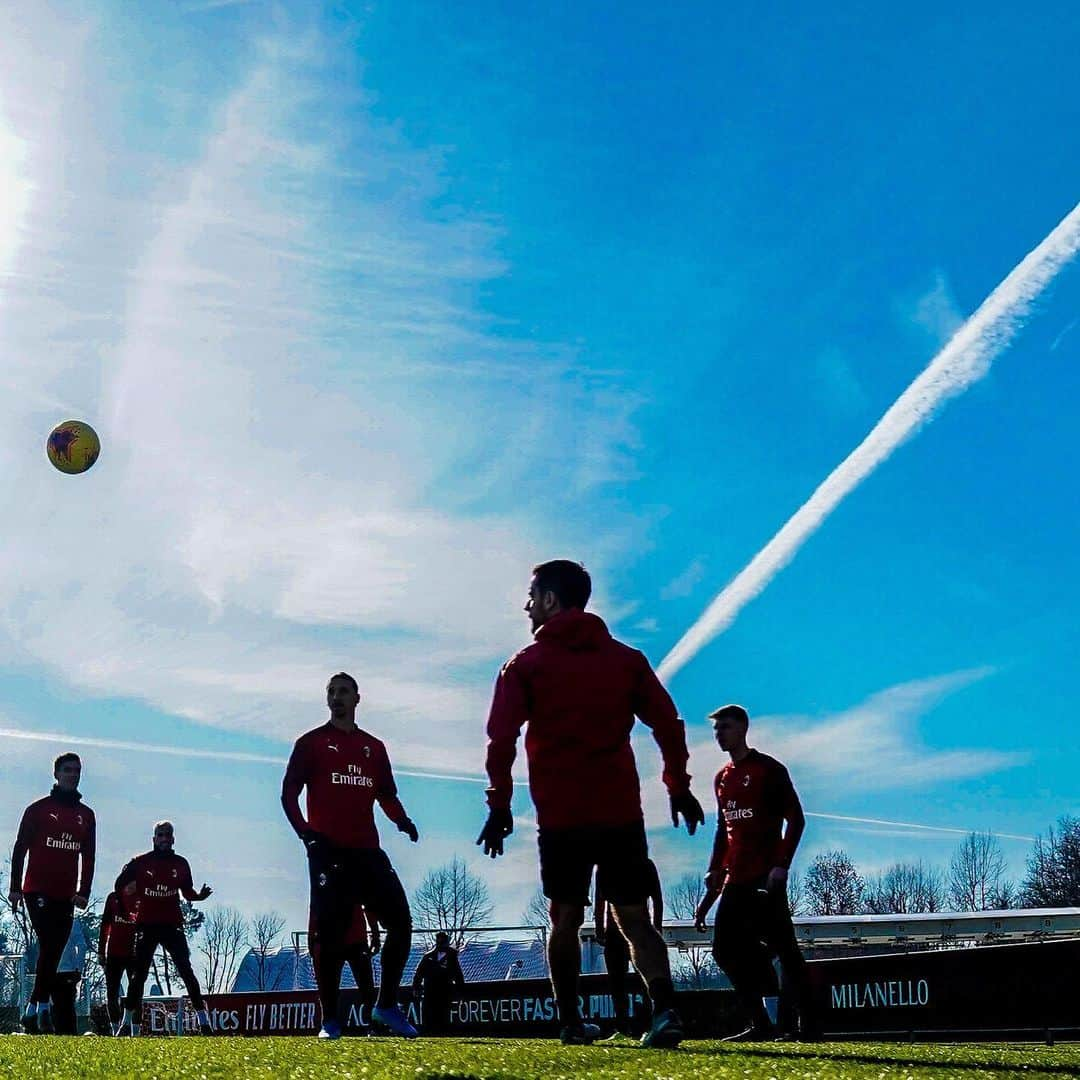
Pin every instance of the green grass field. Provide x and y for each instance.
(491, 1059)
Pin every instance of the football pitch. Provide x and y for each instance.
(513, 1059)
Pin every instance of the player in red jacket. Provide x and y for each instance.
(748, 870)
(346, 771)
(55, 833)
(116, 953)
(152, 885)
(578, 691)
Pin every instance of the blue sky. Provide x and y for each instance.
(374, 306)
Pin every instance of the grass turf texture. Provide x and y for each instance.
(511, 1059)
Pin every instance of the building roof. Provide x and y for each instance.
(288, 968)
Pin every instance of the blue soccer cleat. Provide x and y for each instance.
(331, 1029)
(394, 1020)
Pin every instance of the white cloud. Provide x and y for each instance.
(937, 312)
(318, 453)
(872, 747)
(684, 583)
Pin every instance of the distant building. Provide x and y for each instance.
(290, 969)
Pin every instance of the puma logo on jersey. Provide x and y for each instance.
(331, 746)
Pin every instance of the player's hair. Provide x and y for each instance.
(164, 825)
(569, 581)
(347, 677)
(735, 712)
(63, 759)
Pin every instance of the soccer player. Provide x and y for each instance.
(116, 953)
(617, 948)
(346, 771)
(56, 834)
(437, 976)
(578, 690)
(748, 871)
(152, 885)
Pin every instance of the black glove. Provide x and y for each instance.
(410, 830)
(690, 809)
(499, 825)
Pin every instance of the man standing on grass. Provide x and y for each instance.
(437, 976)
(152, 885)
(346, 771)
(579, 690)
(56, 834)
(748, 871)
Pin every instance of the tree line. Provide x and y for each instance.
(454, 899)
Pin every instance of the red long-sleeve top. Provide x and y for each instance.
(345, 773)
(57, 833)
(578, 691)
(754, 797)
(117, 935)
(152, 885)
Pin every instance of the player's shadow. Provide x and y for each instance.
(901, 1060)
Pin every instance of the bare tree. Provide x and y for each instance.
(833, 885)
(538, 913)
(264, 937)
(452, 898)
(693, 966)
(1053, 867)
(796, 893)
(905, 888)
(976, 872)
(224, 935)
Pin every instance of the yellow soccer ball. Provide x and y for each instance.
(73, 446)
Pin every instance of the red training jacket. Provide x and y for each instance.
(754, 798)
(159, 881)
(55, 832)
(578, 690)
(117, 937)
(345, 773)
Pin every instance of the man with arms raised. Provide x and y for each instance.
(55, 833)
(152, 885)
(748, 871)
(346, 771)
(578, 690)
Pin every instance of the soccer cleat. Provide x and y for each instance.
(579, 1034)
(394, 1020)
(757, 1033)
(331, 1029)
(666, 1032)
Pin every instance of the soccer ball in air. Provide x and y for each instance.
(73, 446)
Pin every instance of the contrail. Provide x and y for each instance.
(193, 753)
(64, 739)
(965, 359)
(951, 830)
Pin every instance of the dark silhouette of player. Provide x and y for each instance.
(346, 771)
(56, 834)
(748, 871)
(578, 691)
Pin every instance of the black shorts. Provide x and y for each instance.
(341, 879)
(620, 854)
